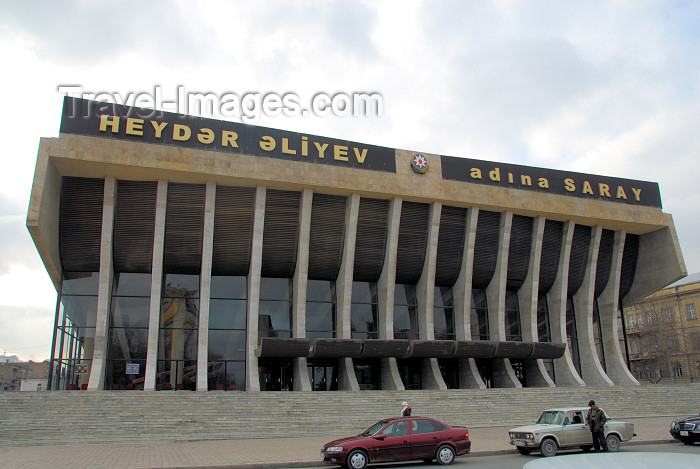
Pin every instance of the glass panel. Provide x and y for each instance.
(364, 321)
(177, 344)
(227, 345)
(80, 283)
(279, 312)
(128, 344)
(228, 287)
(181, 285)
(319, 317)
(479, 316)
(320, 290)
(543, 332)
(130, 312)
(444, 323)
(275, 288)
(512, 316)
(361, 292)
(79, 311)
(179, 312)
(130, 284)
(227, 314)
(443, 297)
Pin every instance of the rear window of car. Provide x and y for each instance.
(421, 426)
(439, 426)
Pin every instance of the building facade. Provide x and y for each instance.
(197, 254)
(664, 334)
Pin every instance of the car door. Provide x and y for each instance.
(424, 439)
(575, 431)
(396, 444)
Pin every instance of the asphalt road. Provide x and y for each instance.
(516, 461)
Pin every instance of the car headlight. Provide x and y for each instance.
(530, 436)
(511, 435)
(334, 449)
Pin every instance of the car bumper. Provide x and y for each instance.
(524, 443)
(688, 435)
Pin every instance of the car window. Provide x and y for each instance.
(551, 418)
(371, 431)
(439, 426)
(577, 417)
(421, 426)
(399, 428)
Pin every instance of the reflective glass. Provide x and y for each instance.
(227, 314)
(479, 316)
(128, 344)
(179, 312)
(275, 288)
(228, 287)
(181, 285)
(130, 311)
(79, 311)
(279, 313)
(512, 316)
(319, 317)
(177, 344)
(320, 290)
(227, 345)
(80, 283)
(543, 332)
(361, 293)
(132, 284)
(442, 297)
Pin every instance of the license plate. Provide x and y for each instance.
(684, 433)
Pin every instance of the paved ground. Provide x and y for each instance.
(256, 453)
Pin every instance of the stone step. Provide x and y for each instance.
(104, 416)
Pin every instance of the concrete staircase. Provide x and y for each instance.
(65, 417)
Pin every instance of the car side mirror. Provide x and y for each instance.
(379, 437)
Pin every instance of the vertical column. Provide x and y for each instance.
(251, 361)
(385, 292)
(607, 307)
(591, 368)
(462, 295)
(104, 292)
(347, 380)
(425, 293)
(564, 370)
(503, 373)
(205, 288)
(156, 280)
(301, 274)
(527, 298)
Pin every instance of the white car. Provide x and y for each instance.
(566, 428)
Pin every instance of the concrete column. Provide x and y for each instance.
(205, 288)
(347, 380)
(564, 370)
(251, 361)
(385, 293)
(301, 274)
(591, 369)
(535, 372)
(469, 377)
(616, 367)
(104, 292)
(156, 280)
(503, 373)
(425, 293)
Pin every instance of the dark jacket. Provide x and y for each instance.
(596, 419)
(406, 412)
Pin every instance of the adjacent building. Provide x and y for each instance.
(664, 333)
(198, 254)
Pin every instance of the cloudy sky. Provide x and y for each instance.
(604, 87)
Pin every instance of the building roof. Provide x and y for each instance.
(692, 278)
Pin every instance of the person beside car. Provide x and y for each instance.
(596, 422)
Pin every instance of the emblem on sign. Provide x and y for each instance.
(420, 163)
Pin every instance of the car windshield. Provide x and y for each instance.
(371, 431)
(551, 417)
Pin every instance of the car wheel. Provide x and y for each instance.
(445, 455)
(688, 442)
(523, 450)
(357, 459)
(586, 448)
(548, 447)
(613, 442)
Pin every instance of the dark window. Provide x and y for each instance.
(571, 334)
(421, 426)
(275, 310)
(479, 316)
(512, 316)
(320, 309)
(443, 314)
(405, 312)
(364, 309)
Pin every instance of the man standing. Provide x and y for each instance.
(596, 422)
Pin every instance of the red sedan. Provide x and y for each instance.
(399, 439)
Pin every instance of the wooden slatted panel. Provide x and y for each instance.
(326, 239)
(579, 257)
(605, 252)
(370, 244)
(280, 234)
(551, 250)
(80, 224)
(134, 225)
(519, 250)
(629, 264)
(413, 237)
(184, 225)
(233, 230)
(485, 248)
(450, 246)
